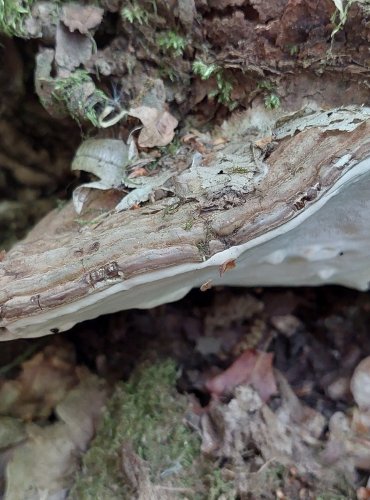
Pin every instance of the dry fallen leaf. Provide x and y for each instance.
(227, 266)
(159, 126)
(346, 447)
(193, 140)
(253, 368)
(261, 143)
(81, 18)
(219, 141)
(363, 493)
(206, 286)
(45, 464)
(138, 172)
(360, 384)
(71, 50)
(42, 383)
(286, 436)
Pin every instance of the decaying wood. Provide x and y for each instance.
(65, 271)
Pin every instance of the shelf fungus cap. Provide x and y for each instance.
(283, 203)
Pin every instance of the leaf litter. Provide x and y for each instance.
(50, 413)
(253, 423)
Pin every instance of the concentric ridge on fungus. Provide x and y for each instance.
(300, 217)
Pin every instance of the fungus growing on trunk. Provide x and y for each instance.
(282, 203)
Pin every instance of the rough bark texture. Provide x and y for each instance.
(74, 267)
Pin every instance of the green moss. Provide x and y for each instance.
(147, 413)
(134, 13)
(272, 101)
(220, 487)
(170, 209)
(172, 147)
(237, 170)
(204, 70)
(79, 95)
(168, 72)
(203, 249)
(12, 16)
(189, 224)
(223, 86)
(171, 42)
(292, 49)
(266, 85)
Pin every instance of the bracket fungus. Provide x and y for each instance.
(292, 209)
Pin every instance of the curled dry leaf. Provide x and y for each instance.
(265, 141)
(349, 438)
(72, 49)
(227, 266)
(42, 383)
(138, 172)
(230, 430)
(81, 18)
(253, 368)
(196, 140)
(109, 160)
(105, 158)
(159, 126)
(348, 445)
(363, 493)
(206, 286)
(143, 188)
(360, 384)
(46, 463)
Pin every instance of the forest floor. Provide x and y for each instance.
(229, 393)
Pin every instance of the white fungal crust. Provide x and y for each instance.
(298, 215)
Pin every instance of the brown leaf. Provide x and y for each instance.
(72, 49)
(47, 460)
(42, 383)
(262, 143)
(138, 172)
(360, 384)
(159, 126)
(363, 493)
(227, 266)
(81, 18)
(206, 286)
(253, 368)
(193, 140)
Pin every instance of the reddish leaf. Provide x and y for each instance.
(226, 266)
(138, 172)
(253, 368)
